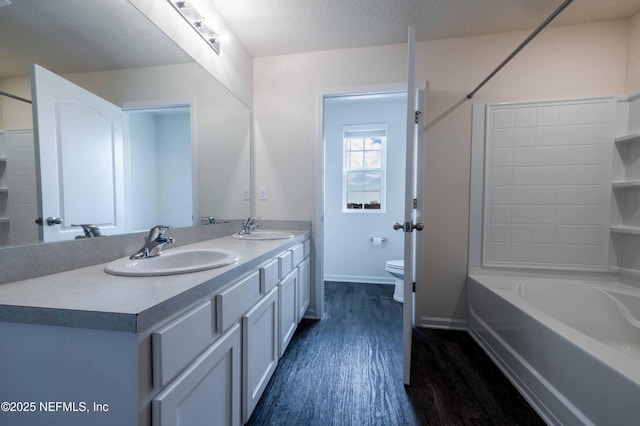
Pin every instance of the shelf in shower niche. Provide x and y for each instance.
(622, 229)
(4, 190)
(633, 137)
(626, 183)
(4, 220)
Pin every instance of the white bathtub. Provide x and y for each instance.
(572, 348)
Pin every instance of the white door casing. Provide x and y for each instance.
(79, 154)
(413, 185)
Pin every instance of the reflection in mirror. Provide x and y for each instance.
(112, 50)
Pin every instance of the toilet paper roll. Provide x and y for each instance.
(377, 241)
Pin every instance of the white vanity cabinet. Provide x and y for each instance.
(304, 286)
(212, 363)
(288, 318)
(208, 391)
(202, 362)
(260, 350)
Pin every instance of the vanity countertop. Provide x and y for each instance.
(90, 298)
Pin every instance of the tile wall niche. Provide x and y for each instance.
(547, 184)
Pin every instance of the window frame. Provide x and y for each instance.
(383, 169)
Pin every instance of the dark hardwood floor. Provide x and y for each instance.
(347, 370)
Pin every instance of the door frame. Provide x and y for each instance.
(139, 106)
(318, 221)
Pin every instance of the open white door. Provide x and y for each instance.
(412, 184)
(79, 158)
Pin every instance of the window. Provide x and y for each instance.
(364, 168)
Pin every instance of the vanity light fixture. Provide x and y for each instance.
(187, 10)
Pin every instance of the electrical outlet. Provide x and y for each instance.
(262, 190)
(246, 193)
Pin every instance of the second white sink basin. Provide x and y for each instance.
(264, 235)
(173, 262)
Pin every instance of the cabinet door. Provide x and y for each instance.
(208, 391)
(288, 309)
(304, 283)
(259, 350)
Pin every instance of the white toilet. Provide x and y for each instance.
(396, 268)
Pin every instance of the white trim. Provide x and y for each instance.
(359, 279)
(443, 323)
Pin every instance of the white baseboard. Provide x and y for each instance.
(443, 323)
(359, 279)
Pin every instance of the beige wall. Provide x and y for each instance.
(633, 66)
(232, 66)
(15, 114)
(565, 62)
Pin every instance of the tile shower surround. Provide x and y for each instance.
(548, 185)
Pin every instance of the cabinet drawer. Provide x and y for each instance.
(269, 276)
(176, 344)
(234, 301)
(307, 248)
(297, 254)
(285, 263)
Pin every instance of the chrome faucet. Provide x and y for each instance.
(154, 243)
(249, 225)
(90, 231)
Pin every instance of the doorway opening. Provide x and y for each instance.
(158, 159)
(325, 97)
(364, 184)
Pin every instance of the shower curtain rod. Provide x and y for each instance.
(521, 46)
(3, 93)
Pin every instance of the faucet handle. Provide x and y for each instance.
(90, 230)
(157, 231)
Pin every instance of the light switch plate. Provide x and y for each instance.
(246, 193)
(263, 193)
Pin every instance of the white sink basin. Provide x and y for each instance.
(173, 262)
(264, 235)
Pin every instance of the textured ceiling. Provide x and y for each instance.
(275, 27)
(79, 36)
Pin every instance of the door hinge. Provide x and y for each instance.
(417, 116)
(414, 287)
(415, 203)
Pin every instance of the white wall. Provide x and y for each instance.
(160, 170)
(349, 254)
(563, 62)
(142, 206)
(174, 170)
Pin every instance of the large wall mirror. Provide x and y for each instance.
(185, 136)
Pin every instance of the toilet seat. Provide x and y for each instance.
(395, 264)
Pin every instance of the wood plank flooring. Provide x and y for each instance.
(347, 370)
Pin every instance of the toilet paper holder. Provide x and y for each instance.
(383, 239)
